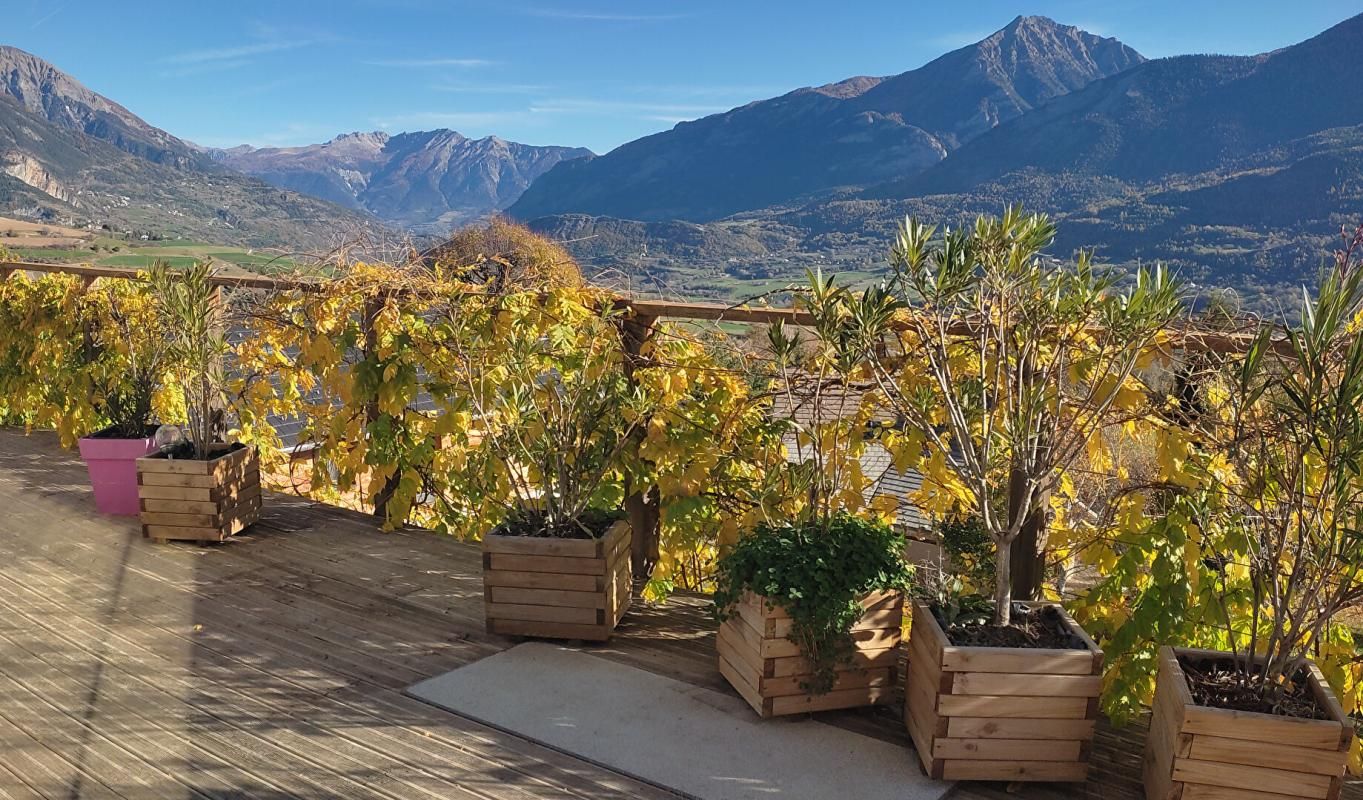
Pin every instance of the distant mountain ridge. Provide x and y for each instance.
(1182, 115)
(426, 179)
(857, 132)
(1239, 171)
(68, 152)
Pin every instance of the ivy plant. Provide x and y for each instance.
(818, 572)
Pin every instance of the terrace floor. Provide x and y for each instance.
(274, 666)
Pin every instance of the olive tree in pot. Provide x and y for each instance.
(1003, 366)
(547, 421)
(199, 488)
(811, 601)
(126, 358)
(1278, 501)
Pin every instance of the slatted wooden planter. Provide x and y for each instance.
(557, 588)
(1000, 713)
(194, 500)
(1195, 751)
(767, 669)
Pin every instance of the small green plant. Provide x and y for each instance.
(969, 550)
(964, 609)
(818, 573)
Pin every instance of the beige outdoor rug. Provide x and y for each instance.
(694, 741)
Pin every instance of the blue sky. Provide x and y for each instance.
(592, 73)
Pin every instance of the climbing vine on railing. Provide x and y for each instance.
(67, 352)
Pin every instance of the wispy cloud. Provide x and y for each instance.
(205, 67)
(727, 91)
(289, 134)
(269, 87)
(49, 15)
(540, 112)
(958, 39)
(235, 53)
(426, 63)
(649, 109)
(490, 88)
(454, 119)
(601, 16)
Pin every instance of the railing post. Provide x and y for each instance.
(218, 411)
(640, 505)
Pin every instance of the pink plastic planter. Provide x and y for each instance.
(113, 471)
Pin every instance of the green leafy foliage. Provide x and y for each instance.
(968, 548)
(818, 573)
(964, 609)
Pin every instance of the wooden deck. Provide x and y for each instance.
(273, 666)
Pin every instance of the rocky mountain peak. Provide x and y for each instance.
(364, 138)
(41, 89)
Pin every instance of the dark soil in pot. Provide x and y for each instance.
(114, 433)
(591, 525)
(1218, 684)
(1039, 628)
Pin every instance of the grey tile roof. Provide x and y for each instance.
(878, 467)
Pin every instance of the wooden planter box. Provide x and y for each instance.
(767, 669)
(1000, 713)
(557, 588)
(199, 501)
(1195, 751)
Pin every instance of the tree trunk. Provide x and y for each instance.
(1028, 549)
(1003, 585)
(644, 518)
(372, 308)
(642, 504)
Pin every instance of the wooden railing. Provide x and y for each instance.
(644, 310)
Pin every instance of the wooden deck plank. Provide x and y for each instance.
(241, 676)
(273, 666)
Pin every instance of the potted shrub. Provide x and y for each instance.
(198, 488)
(1003, 367)
(1276, 493)
(811, 600)
(543, 465)
(811, 614)
(128, 359)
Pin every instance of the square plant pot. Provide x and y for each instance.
(557, 588)
(768, 670)
(112, 465)
(193, 500)
(1001, 713)
(1201, 751)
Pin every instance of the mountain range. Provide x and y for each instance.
(426, 181)
(69, 153)
(858, 131)
(1238, 170)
